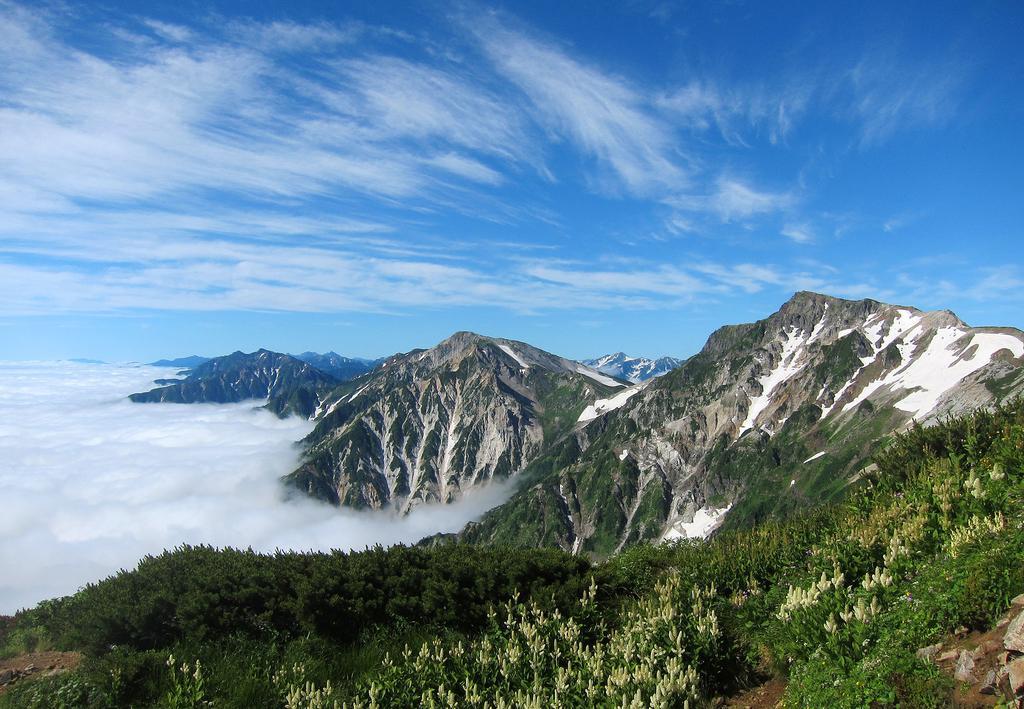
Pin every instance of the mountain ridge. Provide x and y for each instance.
(767, 417)
(634, 369)
(290, 385)
(183, 362)
(338, 366)
(425, 424)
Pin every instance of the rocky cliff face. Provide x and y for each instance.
(768, 417)
(430, 424)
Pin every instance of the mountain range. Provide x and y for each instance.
(339, 367)
(291, 385)
(342, 368)
(767, 418)
(634, 369)
(181, 362)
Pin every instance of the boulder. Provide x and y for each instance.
(989, 684)
(6, 677)
(965, 667)
(1013, 639)
(1015, 671)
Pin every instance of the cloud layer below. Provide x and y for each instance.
(90, 482)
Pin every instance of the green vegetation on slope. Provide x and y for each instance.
(836, 600)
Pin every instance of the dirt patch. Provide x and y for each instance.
(763, 696)
(36, 664)
(986, 666)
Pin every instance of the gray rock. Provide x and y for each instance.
(1015, 670)
(965, 667)
(988, 685)
(1018, 601)
(927, 653)
(947, 655)
(1013, 639)
(6, 677)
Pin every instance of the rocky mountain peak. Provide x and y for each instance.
(425, 425)
(451, 350)
(767, 416)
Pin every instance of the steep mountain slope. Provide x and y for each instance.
(634, 369)
(432, 423)
(342, 368)
(291, 385)
(768, 417)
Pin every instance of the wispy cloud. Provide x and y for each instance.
(333, 166)
(900, 221)
(394, 98)
(732, 199)
(207, 274)
(737, 112)
(600, 112)
(212, 115)
(800, 233)
(663, 280)
(287, 36)
(999, 283)
(987, 284)
(169, 31)
(889, 95)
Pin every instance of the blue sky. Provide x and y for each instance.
(589, 177)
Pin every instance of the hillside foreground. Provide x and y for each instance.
(879, 600)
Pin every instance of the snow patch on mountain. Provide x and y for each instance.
(603, 406)
(568, 507)
(816, 332)
(932, 371)
(943, 365)
(789, 364)
(705, 521)
(512, 353)
(597, 376)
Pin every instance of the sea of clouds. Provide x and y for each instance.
(91, 482)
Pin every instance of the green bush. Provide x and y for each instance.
(200, 594)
